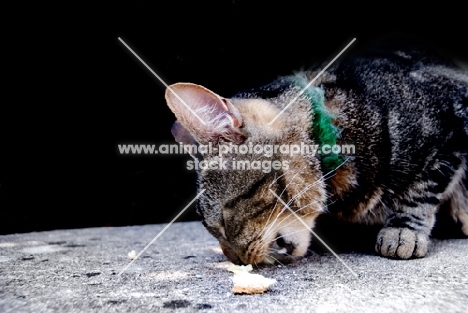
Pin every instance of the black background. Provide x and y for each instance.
(74, 92)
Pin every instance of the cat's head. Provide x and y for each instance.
(251, 183)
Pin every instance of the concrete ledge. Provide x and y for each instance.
(184, 271)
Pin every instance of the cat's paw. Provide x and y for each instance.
(463, 218)
(401, 243)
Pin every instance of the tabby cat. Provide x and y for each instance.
(403, 109)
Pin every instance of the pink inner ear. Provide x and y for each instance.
(205, 103)
(190, 101)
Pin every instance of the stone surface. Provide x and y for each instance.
(185, 271)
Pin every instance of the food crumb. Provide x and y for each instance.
(247, 283)
(131, 255)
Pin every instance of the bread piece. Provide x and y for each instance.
(132, 255)
(247, 283)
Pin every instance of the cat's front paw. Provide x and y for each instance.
(401, 243)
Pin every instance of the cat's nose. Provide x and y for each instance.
(285, 247)
(229, 253)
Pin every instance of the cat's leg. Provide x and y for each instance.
(407, 230)
(457, 196)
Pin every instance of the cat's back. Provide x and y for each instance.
(405, 108)
(391, 66)
(407, 80)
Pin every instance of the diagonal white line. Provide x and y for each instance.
(312, 81)
(313, 233)
(162, 81)
(161, 232)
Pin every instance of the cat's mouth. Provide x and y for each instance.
(289, 243)
(285, 247)
(281, 252)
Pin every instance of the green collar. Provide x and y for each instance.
(324, 132)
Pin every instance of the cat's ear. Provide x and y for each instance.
(181, 134)
(206, 116)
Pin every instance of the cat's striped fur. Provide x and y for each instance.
(406, 112)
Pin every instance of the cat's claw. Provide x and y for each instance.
(401, 243)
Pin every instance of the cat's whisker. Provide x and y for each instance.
(312, 251)
(284, 189)
(277, 252)
(276, 203)
(448, 165)
(271, 213)
(323, 178)
(277, 227)
(276, 179)
(276, 218)
(323, 208)
(272, 228)
(293, 221)
(304, 190)
(256, 265)
(264, 239)
(267, 231)
(278, 261)
(307, 187)
(290, 201)
(316, 236)
(285, 252)
(288, 234)
(292, 178)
